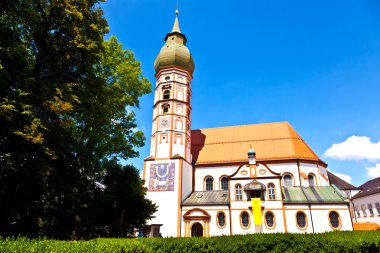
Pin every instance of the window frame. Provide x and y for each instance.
(265, 220)
(165, 93)
(314, 179)
(377, 206)
(370, 209)
(363, 207)
(241, 192)
(339, 220)
(291, 177)
(217, 220)
(357, 210)
(221, 183)
(241, 220)
(306, 221)
(205, 183)
(274, 191)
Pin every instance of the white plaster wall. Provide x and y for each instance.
(187, 179)
(371, 199)
(284, 168)
(291, 221)
(279, 226)
(215, 172)
(212, 211)
(312, 168)
(163, 147)
(167, 202)
(320, 217)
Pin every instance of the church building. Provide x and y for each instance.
(259, 178)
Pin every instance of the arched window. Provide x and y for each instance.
(166, 94)
(244, 219)
(334, 219)
(271, 192)
(165, 108)
(301, 220)
(221, 219)
(269, 220)
(238, 192)
(224, 184)
(209, 184)
(310, 178)
(288, 180)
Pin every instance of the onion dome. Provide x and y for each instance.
(175, 52)
(251, 152)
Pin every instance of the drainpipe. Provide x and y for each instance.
(299, 172)
(311, 217)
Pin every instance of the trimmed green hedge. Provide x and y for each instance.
(357, 241)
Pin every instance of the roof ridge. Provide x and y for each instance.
(307, 146)
(267, 139)
(265, 123)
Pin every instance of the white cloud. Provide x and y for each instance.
(355, 148)
(374, 172)
(345, 177)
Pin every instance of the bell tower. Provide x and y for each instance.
(168, 170)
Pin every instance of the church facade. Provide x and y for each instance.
(206, 184)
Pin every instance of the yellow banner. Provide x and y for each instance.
(256, 210)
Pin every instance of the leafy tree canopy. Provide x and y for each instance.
(66, 115)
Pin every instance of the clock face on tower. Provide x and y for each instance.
(164, 123)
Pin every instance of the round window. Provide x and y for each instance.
(167, 78)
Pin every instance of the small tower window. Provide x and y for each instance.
(167, 94)
(238, 192)
(288, 181)
(209, 184)
(165, 108)
(167, 78)
(310, 178)
(224, 184)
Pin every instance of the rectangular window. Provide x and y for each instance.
(357, 211)
(370, 210)
(364, 211)
(377, 204)
(271, 194)
(239, 194)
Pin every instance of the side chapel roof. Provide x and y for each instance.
(368, 188)
(271, 141)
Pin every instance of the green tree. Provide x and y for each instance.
(66, 100)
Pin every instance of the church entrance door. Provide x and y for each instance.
(197, 230)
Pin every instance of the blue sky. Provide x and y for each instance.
(315, 64)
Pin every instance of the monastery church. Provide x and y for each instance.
(259, 178)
